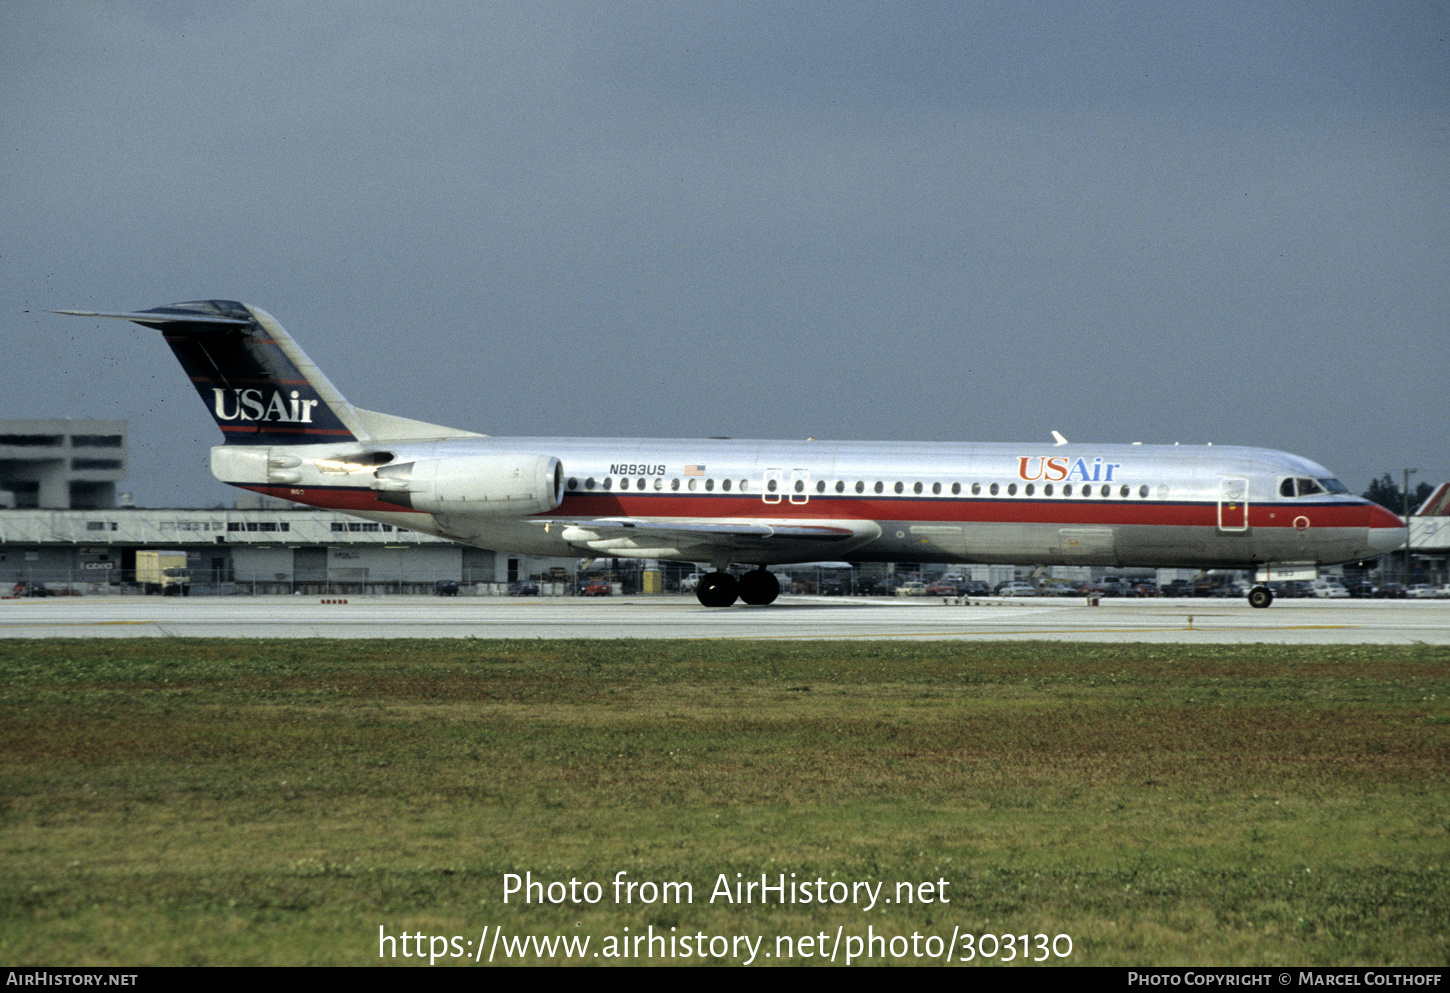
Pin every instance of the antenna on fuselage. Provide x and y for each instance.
(1058, 439)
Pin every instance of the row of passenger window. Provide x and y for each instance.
(798, 486)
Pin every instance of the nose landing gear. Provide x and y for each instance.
(1260, 596)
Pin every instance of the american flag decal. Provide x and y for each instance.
(694, 470)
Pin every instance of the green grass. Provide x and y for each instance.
(210, 802)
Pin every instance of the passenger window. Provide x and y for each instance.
(674, 484)
(880, 487)
(1011, 489)
(1047, 489)
(898, 487)
(725, 485)
(993, 489)
(709, 485)
(860, 486)
(840, 486)
(589, 483)
(1029, 489)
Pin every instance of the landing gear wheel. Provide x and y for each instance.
(759, 587)
(1260, 596)
(718, 589)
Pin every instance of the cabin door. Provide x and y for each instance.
(800, 485)
(770, 486)
(1233, 503)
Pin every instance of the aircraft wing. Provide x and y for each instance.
(745, 540)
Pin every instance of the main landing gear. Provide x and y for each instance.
(1260, 596)
(757, 587)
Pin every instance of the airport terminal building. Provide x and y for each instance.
(247, 551)
(59, 464)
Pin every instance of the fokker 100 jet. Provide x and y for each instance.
(290, 433)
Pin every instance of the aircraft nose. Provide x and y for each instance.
(1386, 531)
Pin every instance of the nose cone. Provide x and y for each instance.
(1386, 531)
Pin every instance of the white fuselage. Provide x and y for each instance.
(1123, 505)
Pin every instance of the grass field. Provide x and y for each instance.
(212, 802)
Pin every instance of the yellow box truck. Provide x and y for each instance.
(163, 572)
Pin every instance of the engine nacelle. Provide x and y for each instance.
(506, 483)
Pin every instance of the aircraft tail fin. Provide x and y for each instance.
(258, 384)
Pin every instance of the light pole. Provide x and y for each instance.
(1408, 474)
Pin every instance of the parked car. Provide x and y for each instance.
(942, 588)
(869, 586)
(974, 587)
(911, 588)
(1330, 588)
(596, 587)
(1017, 589)
(524, 587)
(1117, 586)
(1421, 591)
(1057, 589)
(445, 587)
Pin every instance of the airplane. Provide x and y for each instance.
(288, 432)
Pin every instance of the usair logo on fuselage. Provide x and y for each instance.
(1058, 468)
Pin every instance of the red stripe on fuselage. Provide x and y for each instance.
(1068, 513)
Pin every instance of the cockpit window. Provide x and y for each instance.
(1303, 486)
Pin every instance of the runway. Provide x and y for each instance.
(816, 618)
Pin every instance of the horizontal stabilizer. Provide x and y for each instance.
(162, 316)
